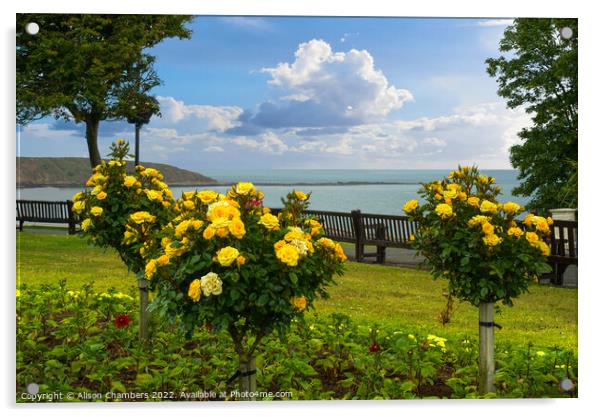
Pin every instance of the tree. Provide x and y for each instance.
(539, 72)
(78, 66)
(135, 104)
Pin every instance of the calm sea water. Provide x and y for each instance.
(326, 193)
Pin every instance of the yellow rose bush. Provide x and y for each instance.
(475, 242)
(123, 210)
(236, 266)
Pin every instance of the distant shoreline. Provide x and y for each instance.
(229, 184)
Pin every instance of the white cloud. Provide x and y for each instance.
(217, 118)
(326, 88)
(249, 23)
(46, 131)
(267, 142)
(214, 149)
(434, 142)
(495, 22)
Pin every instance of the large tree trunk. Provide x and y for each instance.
(92, 140)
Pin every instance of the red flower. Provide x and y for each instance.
(374, 347)
(122, 320)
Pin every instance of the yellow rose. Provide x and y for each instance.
(240, 260)
(450, 194)
(151, 172)
(532, 238)
(444, 211)
(412, 238)
(211, 284)
(150, 269)
(288, 254)
(488, 207)
(207, 196)
(237, 228)
(227, 255)
(301, 196)
(154, 195)
(79, 206)
(492, 240)
(129, 181)
(515, 231)
(278, 245)
(208, 233)
(96, 211)
(340, 253)
(325, 242)
(299, 303)
(181, 228)
(269, 221)
(541, 224)
(473, 201)
(511, 208)
(550, 221)
(78, 196)
(86, 224)
(194, 290)
(197, 224)
(544, 248)
(163, 260)
(410, 206)
(140, 217)
(189, 205)
(529, 219)
(488, 228)
(462, 196)
(101, 195)
(244, 188)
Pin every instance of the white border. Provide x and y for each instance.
(589, 65)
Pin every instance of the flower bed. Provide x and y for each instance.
(85, 342)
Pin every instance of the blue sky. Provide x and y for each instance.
(309, 92)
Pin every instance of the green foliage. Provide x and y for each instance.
(539, 71)
(68, 341)
(474, 242)
(107, 209)
(84, 67)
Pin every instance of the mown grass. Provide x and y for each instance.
(386, 295)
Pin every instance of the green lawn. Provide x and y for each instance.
(393, 296)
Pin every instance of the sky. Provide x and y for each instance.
(315, 93)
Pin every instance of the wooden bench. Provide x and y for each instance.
(46, 212)
(563, 248)
(363, 230)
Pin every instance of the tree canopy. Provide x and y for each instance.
(538, 71)
(84, 67)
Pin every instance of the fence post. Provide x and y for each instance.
(381, 250)
(71, 217)
(356, 218)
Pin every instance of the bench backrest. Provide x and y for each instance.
(563, 240)
(44, 211)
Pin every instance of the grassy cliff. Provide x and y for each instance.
(73, 172)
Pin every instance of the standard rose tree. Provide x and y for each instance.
(225, 260)
(479, 247)
(125, 211)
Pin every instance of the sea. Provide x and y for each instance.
(371, 191)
